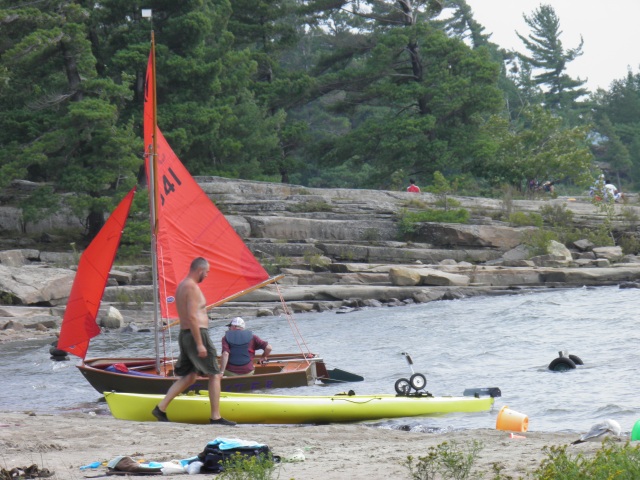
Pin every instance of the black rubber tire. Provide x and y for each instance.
(576, 359)
(562, 364)
(418, 381)
(402, 386)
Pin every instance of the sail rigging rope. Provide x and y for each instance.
(297, 334)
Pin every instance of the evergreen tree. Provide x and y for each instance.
(61, 121)
(548, 56)
(413, 96)
(617, 121)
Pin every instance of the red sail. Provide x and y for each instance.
(190, 226)
(79, 322)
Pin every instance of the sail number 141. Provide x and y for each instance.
(168, 185)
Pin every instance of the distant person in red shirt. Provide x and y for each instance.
(413, 187)
(239, 348)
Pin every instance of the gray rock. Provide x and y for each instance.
(550, 260)
(36, 284)
(559, 250)
(113, 319)
(612, 254)
(583, 245)
(465, 236)
(403, 277)
(448, 261)
(122, 278)
(430, 276)
(59, 258)
(521, 252)
(17, 258)
(372, 302)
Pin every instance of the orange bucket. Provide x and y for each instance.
(511, 420)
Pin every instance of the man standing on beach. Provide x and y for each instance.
(197, 352)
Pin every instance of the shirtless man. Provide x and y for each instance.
(197, 352)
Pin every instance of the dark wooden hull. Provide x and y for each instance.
(282, 371)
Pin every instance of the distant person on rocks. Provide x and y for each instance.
(239, 349)
(412, 186)
(611, 191)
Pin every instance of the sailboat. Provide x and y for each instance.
(185, 224)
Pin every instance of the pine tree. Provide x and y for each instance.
(547, 55)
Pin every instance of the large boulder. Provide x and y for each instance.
(455, 235)
(404, 277)
(36, 284)
(613, 254)
(322, 229)
(432, 277)
(17, 258)
(559, 250)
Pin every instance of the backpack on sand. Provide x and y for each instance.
(213, 458)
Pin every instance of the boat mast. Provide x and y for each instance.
(153, 203)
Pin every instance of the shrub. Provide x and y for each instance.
(242, 467)
(556, 215)
(311, 206)
(538, 241)
(612, 460)
(408, 221)
(448, 203)
(521, 219)
(450, 460)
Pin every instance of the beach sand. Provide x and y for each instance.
(63, 443)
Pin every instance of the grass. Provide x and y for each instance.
(454, 461)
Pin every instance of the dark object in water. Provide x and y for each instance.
(562, 363)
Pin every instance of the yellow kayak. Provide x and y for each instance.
(291, 409)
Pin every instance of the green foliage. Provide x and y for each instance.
(243, 467)
(408, 221)
(370, 235)
(629, 244)
(311, 206)
(538, 241)
(442, 188)
(521, 219)
(535, 146)
(415, 203)
(316, 261)
(556, 215)
(136, 237)
(546, 53)
(612, 460)
(449, 460)
(39, 205)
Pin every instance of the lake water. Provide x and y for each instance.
(504, 342)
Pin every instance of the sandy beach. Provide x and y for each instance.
(64, 443)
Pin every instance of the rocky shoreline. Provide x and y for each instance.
(338, 250)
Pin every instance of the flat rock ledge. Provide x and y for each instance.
(339, 250)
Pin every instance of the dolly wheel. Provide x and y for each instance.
(418, 381)
(403, 387)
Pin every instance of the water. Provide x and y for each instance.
(504, 342)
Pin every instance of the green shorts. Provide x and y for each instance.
(189, 361)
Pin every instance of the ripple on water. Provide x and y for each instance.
(506, 342)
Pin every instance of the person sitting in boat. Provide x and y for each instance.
(239, 348)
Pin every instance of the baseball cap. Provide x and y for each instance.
(236, 322)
